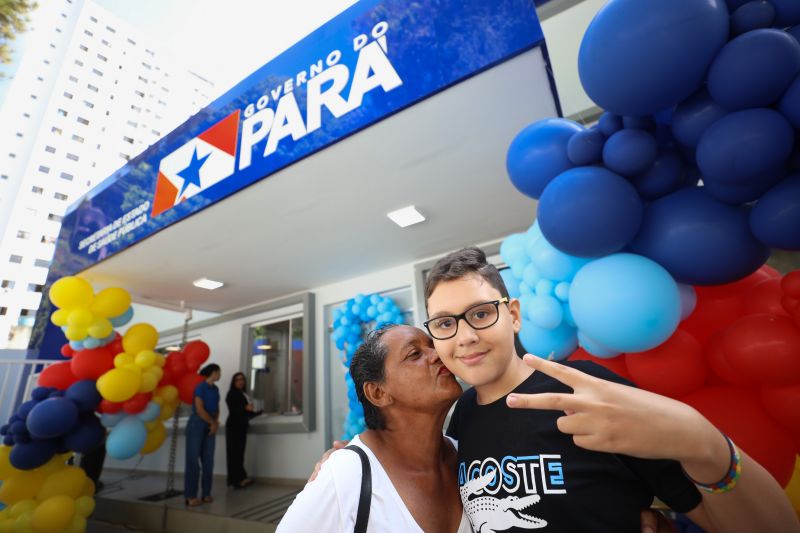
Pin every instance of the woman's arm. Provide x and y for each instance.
(202, 413)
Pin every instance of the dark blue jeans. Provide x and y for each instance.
(199, 451)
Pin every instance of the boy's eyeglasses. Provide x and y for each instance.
(479, 316)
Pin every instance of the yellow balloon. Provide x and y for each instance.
(100, 328)
(154, 440)
(160, 360)
(123, 359)
(88, 488)
(53, 515)
(56, 463)
(78, 525)
(140, 337)
(6, 524)
(59, 317)
(84, 506)
(169, 393)
(68, 481)
(149, 382)
(111, 302)
(80, 317)
(23, 524)
(6, 470)
(167, 411)
(21, 486)
(133, 368)
(75, 333)
(22, 507)
(157, 372)
(145, 359)
(71, 291)
(119, 384)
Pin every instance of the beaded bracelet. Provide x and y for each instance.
(731, 478)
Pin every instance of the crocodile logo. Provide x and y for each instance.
(489, 514)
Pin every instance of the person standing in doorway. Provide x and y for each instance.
(201, 432)
(240, 411)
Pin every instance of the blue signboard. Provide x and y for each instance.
(371, 61)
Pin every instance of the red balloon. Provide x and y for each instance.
(736, 289)
(674, 368)
(186, 387)
(176, 363)
(107, 406)
(712, 314)
(789, 304)
(67, 350)
(58, 375)
(738, 413)
(615, 364)
(91, 364)
(783, 405)
(196, 353)
(115, 346)
(768, 270)
(138, 403)
(766, 347)
(765, 297)
(719, 366)
(791, 284)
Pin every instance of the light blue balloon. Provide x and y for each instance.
(545, 312)
(512, 283)
(124, 318)
(555, 344)
(126, 439)
(562, 291)
(531, 275)
(595, 348)
(337, 313)
(375, 299)
(524, 303)
(625, 302)
(359, 298)
(524, 288)
(91, 343)
(150, 412)
(64, 329)
(109, 339)
(518, 268)
(534, 233)
(544, 287)
(568, 318)
(344, 320)
(555, 264)
(76, 345)
(372, 311)
(109, 420)
(512, 249)
(382, 306)
(340, 343)
(688, 300)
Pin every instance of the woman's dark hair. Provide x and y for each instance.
(368, 366)
(233, 381)
(462, 263)
(209, 369)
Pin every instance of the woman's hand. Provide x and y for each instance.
(213, 427)
(249, 408)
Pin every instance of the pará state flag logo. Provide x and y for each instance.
(197, 165)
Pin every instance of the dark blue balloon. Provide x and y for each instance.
(693, 117)
(32, 454)
(40, 393)
(752, 16)
(18, 428)
(733, 5)
(56, 394)
(754, 69)
(609, 123)
(4, 429)
(787, 12)
(775, 219)
(25, 408)
(639, 123)
(538, 154)
(699, 240)
(52, 418)
(589, 212)
(630, 152)
(744, 145)
(737, 194)
(664, 176)
(8, 440)
(637, 58)
(85, 395)
(86, 437)
(794, 31)
(586, 147)
(790, 103)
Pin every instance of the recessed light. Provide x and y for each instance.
(172, 349)
(264, 347)
(406, 216)
(205, 283)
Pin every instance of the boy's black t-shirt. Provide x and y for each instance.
(548, 482)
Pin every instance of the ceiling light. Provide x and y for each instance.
(264, 347)
(205, 283)
(406, 216)
(172, 349)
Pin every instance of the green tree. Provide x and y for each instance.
(13, 18)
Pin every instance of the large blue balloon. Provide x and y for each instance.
(539, 153)
(639, 57)
(586, 147)
(738, 194)
(545, 312)
(752, 16)
(32, 454)
(790, 103)
(625, 302)
(85, 395)
(552, 263)
(589, 212)
(744, 145)
(787, 12)
(699, 240)
(126, 439)
(775, 219)
(754, 69)
(555, 344)
(609, 124)
(630, 152)
(693, 116)
(664, 176)
(86, 437)
(52, 418)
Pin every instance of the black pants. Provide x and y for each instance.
(235, 442)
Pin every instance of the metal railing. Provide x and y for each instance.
(18, 378)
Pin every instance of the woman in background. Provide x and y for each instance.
(240, 411)
(200, 434)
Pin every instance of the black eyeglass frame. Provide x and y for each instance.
(463, 315)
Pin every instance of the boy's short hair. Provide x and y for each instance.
(462, 263)
(368, 365)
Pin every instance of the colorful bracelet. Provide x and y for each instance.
(731, 478)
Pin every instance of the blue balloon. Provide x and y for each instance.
(742, 146)
(32, 454)
(775, 220)
(524, 289)
(787, 12)
(752, 16)
(790, 103)
(531, 275)
(693, 117)
(539, 153)
(590, 212)
(109, 420)
(375, 299)
(688, 300)
(126, 439)
(553, 263)
(794, 32)
(630, 152)
(609, 124)
(52, 418)
(555, 344)
(511, 283)
(85, 395)
(754, 69)
(76, 345)
(637, 58)
(699, 240)
(124, 318)
(664, 176)
(86, 437)
(545, 312)
(150, 412)
(738, 193)
(639, 123)
(562, 291)
(625, 302)
(586, 147)
(26, 407)
(40, 393)
(372, 311)
(340, 343)
(91, 343)
(595, 348)
(544, 287)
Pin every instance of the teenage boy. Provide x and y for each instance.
(585, 452)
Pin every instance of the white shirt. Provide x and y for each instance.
(330, 502)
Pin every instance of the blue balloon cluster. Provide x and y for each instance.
(90, 343)
(350, 320)
(128, 432)
(696, 162)
(52, 422)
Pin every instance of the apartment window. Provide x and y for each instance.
(19, 134)
(41, 263)
(136, 108)
(95, 71)
(72, 157)
(46, 61)
(54, 218)
(156, 132)
(112, 30)
(132, 124)
(58, 30)
(126, 157)
(146, 65)
(44, 170)
(26, 115)
(7, 284)
(12, 155)
(150, 52)
(83, 121)
(165, 89)
(63, 15)
(62, 112)
(52, 45)
(87, 32)
(23, 234)
(79, 62)
(88, 104)
(84, 48)
(73, 79)
(140, 94)
(92, 88)
(93, 19)
(34, 97)
(33, 287)
(3, 311)
(77, 138)
(37, 190)
(127, 140)
(68, 95)
(142, 79)
(46, 239)
(15, 259)
(105, 43)
(66, 176)
(131, 41)
(31, 211)
(3, 176)
(60, 196)
(39, 78)
(50, 149)
(101, 57)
